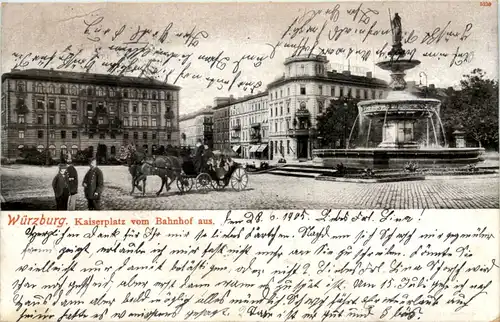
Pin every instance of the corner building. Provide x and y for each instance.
(304, 92)
(68, 111)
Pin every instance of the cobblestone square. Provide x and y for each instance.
(29, 188)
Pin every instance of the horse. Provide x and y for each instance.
(165, 167)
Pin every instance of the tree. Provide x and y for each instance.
(474, 109)
(337, 121)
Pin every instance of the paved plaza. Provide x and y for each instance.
(29, 188)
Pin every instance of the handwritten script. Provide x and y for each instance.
(250, 265)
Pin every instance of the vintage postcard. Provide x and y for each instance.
(250, 161)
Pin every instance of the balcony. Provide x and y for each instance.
(299, 132)
(237, 127)
(169, 115)
(256, 138)
(235, 138)
(255, 125)
(302, 113)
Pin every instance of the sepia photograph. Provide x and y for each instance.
(184, 106)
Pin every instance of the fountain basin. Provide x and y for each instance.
(400, 108)
(394, 158)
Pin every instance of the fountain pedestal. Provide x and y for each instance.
(398, 134)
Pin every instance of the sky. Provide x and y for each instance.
(237, 30)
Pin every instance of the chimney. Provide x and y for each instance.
(369, 74)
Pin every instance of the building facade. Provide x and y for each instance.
(221, 123)
(249, 126)
(68, 111)
(304, 92)
(197, 126)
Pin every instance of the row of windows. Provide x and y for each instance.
(74, 149)
(100, 91)
(343, 92)
(248, 135)
(248, 107)
(21, 119)
(74, 135)
(40, 104)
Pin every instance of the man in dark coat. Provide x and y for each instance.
(73, 183)
(93, 184)
(200, 148)
(60, 185)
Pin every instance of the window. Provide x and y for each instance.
(111, 92)
(153, 122)
(102, 136)
(74, 134)
(153, 109)
(303, 69)
(169, 123)
(358, 93)
(39, 119)
(125, 108)
(135, 121)
(21, 134)
(169, 96)
(90, 106)
(125, 93)
(169, 136)
(40, 134)
(52, 134)
(113, 150)
(62, 90)
(281, 109)
(145, 135)
(39, 104)
(63, 119)
(275, 127)
(51, 119)
(39, 88)
(135, 94)
(52, 89)
(373, 94)
(74, 150)
(365, 92)
(63, 134)
(20, 119)
(64, 150)
(125, 136)
(288, 107)
(136, 135)
(380, 94)
(332, 91)
(320, 107)
(271, 110)
(134, 108)
(271, 95)
(52, 104)
(320, 88)
(62, 105)
(153, 95)
(73, 105)
(144, 121)
(101, 120)
(302, 90)
(341, 92)
(74, 91)
(281, 93)
(89, 91)
(91, 135)
(125, 121)
(153, 135)
(20, 87)
(144, 109)
(73, 119)
(288, 91)
(100, 91)
(144, 94)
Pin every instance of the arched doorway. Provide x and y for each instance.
(102, 153)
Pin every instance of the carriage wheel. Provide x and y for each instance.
(184, 184)
(203, 182)
(239, 179)
(218, 185)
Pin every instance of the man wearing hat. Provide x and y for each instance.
(60, 184)
(73, 183)
(93, 184)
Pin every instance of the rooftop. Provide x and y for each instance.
(334, 76)
(87, 78)
(205, 111)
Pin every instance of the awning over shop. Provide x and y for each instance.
(254, 148)
(236, 148)
(262, 148)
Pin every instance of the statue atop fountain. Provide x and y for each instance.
(397, 32)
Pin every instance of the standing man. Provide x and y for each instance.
(199, 155)
(93, 184)
(73, 183)
(61, 188)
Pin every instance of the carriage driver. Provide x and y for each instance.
(200, 148)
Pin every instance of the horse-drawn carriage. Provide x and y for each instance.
(214, 170)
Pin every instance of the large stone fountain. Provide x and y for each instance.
(401, 116)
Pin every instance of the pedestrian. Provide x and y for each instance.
(60, 184)
(93, 184)
(199, 156)
(73, 183)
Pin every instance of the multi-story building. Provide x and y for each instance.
(197, 126)
(249, 126)
(301, 94)
(69, 111)
(221, 123)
